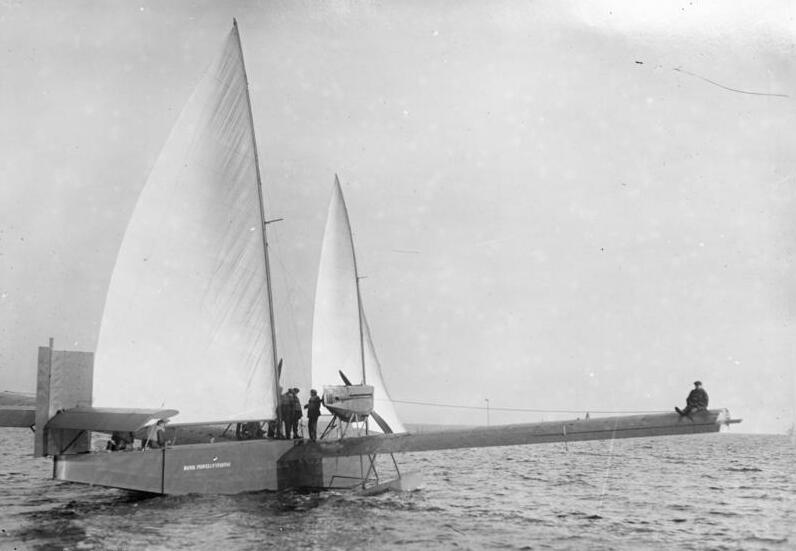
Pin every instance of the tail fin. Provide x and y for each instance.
(64, 380)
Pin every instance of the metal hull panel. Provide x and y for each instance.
(134, 470)
(218, 468)
(224, 468)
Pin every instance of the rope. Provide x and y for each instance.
(713, 82)
(527, 410)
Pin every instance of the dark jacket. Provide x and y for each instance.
(697, 399)
(313, 407)
(295, 403)
(286, 405)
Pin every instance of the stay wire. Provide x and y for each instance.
(526, 410)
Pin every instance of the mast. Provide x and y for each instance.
(361, 334)
(356, 279)
(264, 223)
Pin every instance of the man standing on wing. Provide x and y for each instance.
(313, 408)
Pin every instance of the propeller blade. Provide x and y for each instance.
(345, 379)
(385, 428)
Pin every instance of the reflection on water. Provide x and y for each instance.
(725, 490)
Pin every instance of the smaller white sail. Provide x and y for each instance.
(337, 336)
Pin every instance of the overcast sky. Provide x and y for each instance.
(557, 205)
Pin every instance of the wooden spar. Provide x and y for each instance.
(359, 312)
(356, 279)
(606, 428)
(264, 224)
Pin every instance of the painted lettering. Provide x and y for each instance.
(206, 466)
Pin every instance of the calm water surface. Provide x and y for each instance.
(722, 491)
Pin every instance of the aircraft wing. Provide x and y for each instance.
(17, 416)
(107, 419)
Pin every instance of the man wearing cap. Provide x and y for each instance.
(313, 408)
(286, 413)
(697, 400)
(295, 405)
(156, 435)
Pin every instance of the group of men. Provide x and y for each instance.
(123, 440)
(291, 412)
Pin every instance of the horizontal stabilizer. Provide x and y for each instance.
(17, 416)
(107, 419)
(605, 428)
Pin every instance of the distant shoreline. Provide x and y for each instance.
(9, 398)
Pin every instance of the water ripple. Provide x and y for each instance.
(737, 492)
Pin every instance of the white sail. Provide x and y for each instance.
(382, 402)
(186, 321)
(336, 338)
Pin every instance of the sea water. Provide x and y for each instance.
(718, 491)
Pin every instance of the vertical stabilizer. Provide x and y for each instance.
(64, 380)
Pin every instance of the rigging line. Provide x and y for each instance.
(291, 312)
(295, 288)
(492, 408)
(290, 296)
(713, 82)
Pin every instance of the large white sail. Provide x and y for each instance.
(336, 336)
(186, 321)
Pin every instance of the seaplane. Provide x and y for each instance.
(188, 336)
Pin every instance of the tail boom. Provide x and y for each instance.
(606, 428)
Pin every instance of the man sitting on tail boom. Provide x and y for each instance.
(697, 400)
